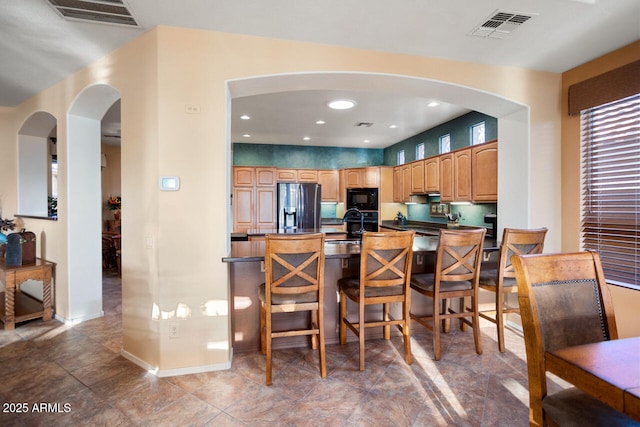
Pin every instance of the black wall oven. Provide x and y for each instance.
(369, 222)
(365, 199)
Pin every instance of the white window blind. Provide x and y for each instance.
(610, 135)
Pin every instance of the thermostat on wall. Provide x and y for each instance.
(169, 183)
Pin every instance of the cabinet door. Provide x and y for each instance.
(307, 175)
(462, 182)
(353, 178)
(387, 184)
(417, 177)
(265, 207)
(484, 169)
(446, 178)
(265, 177)
(243, 209)
(432, 175)
(243, 176)
(406, 183)
(287, 175)
(371, 177)
(397, 184)
(330, 182)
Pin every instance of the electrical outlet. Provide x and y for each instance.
(173, 330)
(192, 109)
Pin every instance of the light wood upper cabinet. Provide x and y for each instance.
(406, 183)
(266, 177)
(462, 175)
(484, 165)
(307, 175)
(387, 184)
(432, 174)
(243, 176)
(417, 177)
(397, 184)
(330, 182)
(371, 177)
(353, 178)
(287, 175)
(446, 177)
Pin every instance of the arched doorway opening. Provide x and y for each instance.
(513, 121)
(85, 204)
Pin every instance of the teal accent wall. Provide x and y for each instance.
(305, 157)
(459, 129)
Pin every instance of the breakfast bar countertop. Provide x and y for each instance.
(254, 250)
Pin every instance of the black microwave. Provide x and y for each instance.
(365, 199)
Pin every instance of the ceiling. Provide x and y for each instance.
(38, 48)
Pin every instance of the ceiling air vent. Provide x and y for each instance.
(104, 11)
(363, 125)
(500, 24)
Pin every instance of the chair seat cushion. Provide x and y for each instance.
(278, 299)
(489, 278)
(572, 407)
(351, 287)
(425, 281)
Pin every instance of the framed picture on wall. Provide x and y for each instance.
(438, 209)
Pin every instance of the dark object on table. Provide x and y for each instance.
(13, 252)
(28, 241)
(400, 219)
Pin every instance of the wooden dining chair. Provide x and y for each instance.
(456, 274)
(385, 270)
(294, 282)
(502, 279)
(564, 301)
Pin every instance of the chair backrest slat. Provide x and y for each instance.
(459, 255)
(518, 242)
(386, 258)
(294, 263)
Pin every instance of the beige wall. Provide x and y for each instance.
(157, 75)
(626, 301)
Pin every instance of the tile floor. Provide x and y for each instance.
(80, 374)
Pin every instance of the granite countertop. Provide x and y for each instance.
(254, 250)
(264, 231)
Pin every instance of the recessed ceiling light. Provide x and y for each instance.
(306, 138)
(320, 122)
(341, 104)
(246, 135)
(433, 104)
(393, 126)
(366, 141)
(245, 117)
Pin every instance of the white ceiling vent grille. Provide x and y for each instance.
(103, 11)
(500, 24)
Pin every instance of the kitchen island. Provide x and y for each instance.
(342, 258)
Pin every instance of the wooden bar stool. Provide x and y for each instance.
(294, 282)
(456, 274)
(385, 270)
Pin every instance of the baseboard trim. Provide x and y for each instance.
(72, 322)
(180, 371)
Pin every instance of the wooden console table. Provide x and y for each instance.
(16, 306)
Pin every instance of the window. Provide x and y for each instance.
(445, 143)
(401, 157)
(610, 138)
(477, 133)
(420, 151)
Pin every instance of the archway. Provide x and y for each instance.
(513, 121)
(84, 203)
(36, 151)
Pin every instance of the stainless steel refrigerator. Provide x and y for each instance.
(299, 205)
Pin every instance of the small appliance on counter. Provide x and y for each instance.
(400, 219)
